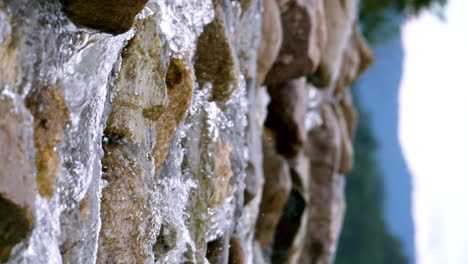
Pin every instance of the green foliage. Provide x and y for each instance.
(379, 18)
(365, 238)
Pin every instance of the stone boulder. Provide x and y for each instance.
(340, 18)
(275, 192)
(304, 39)
(326, 201)
(140, 89)
(286, 115)
(48, 107)
(180, 81)
(272, 37)
(111, 16)
(215, 58)
(17, 180)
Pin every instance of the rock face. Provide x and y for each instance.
(272, 37)
(286, 115)
(110, 16)
(209, 133)
(50, 113)
(304, 40)
(215, 60)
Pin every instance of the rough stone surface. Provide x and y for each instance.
(112, 16)
(356, 59)
(275, 192)
(180, 84)
(347, 153)
(340, 18)
(161, 144)
(304, 39)
(286, 115)
(215, 60)
(128, 167)
(129, 235)
(140, 89)
(50, 113)
(222, 173)
(272, 37)
(17, 181)
(327, 203)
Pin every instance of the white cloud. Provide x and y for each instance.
(434, 132)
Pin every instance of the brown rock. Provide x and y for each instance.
(357, 57)
(288, 234)
(217, 251)
(180, 81)
(222, 173)
(127, 213)
(215, 58)
(11, 72)
(327, 202)
(350, 114)
(282, 3)
(340, 17)
(15, 225)
(129, 235)
(17, 180)
(347, 150)
(141, 95)
(366, 55)
(275, 192)
(236, 251)
(50, 112)
(111, 16)
(272, 37)
(304, 39)
(286, 115)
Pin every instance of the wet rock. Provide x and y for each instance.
(272, 37)
(127, 210)
(246, 27)
(236, 252)
(222, 174)
(215, 57)
(50, 112)
(180, 81)
(326, 199)
(165, 242)
(17, 180)
(275, 192)
(111, 16)
(128, 167)
(218, 250)
(286, 115)
(340, 18)
(140, 89)
(15, 225)
(304, 39)
(11, 72)
(258, 102)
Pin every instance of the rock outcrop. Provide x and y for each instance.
(195, 132)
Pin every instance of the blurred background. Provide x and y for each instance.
(406, 196)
